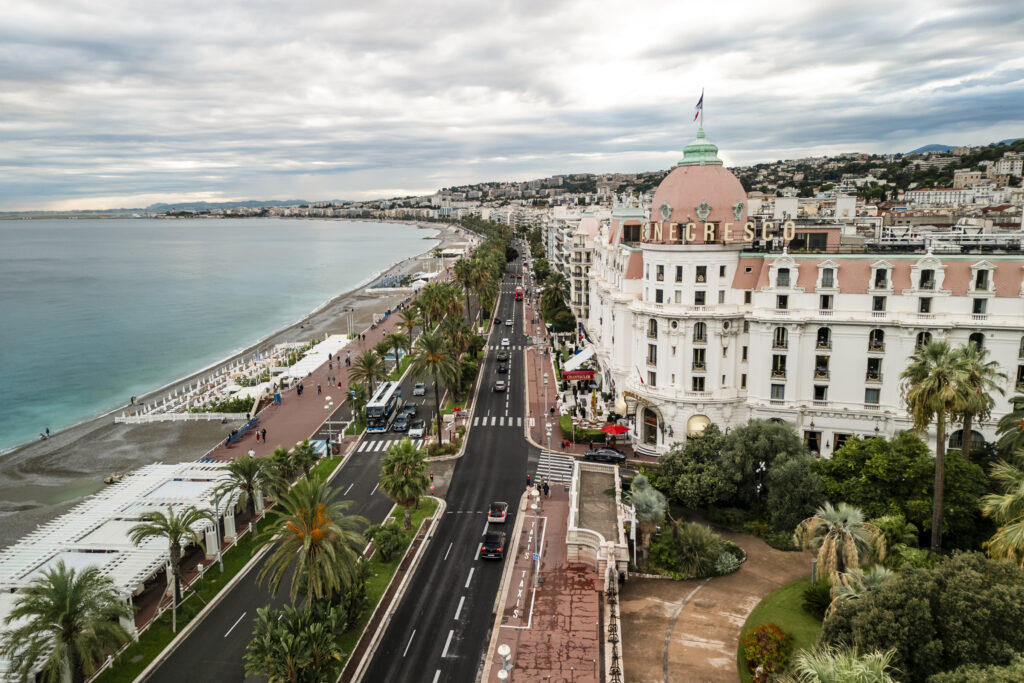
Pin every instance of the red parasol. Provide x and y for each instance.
(614, 429)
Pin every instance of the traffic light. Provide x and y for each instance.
(431, 476)
(527, 479)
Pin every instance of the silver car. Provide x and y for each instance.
(419, 389)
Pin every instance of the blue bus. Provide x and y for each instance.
(383, 407)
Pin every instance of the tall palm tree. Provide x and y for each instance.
(359, 395)
(464, 275)
(830, 664)
(312, 535)
(457, 333)
(479, 278)
(841, 536)
(982, 379)
(247, 476)
(368, 367)
(403, 476)
(179, 530)
(279, 471)
(70, 622)
(1010, 428)
(297, 644)
(410, 319)
(557, 286)
(932, 388)
(1007, 510)
(382, 349)
(432, 357)
(304, 456)
(431, 304)
(397, 341)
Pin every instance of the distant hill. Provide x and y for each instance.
(1008, 141)
(201, 206)
(931, 148)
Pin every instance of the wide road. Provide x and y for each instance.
(214, 650)
(441, 628)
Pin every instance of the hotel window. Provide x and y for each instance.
(820, 392)
(702, 273)
(778, 392)
(881, 278)
(743, 353)
(652, 354)
(659, 273)
(828, 277)
(824, 340)
(700, 332)
(825, 302)
(748, 297)
(874, 372)
(1020, 378)
(679, 273)
(782, 280)
(871, 396)
(699, 357)
(652, 329)
(746, 326)
(699, 298)
(679, 296)
(979, 306)
(878, 303)
(924, 305)
(782, 302)
(923, 338)
(743, 381)
(927, 279)
(721, 271)
(652, 379)
(659, 296)
(779, 366)
(876, 340)
(1020, 352)
(697, 383)
(821, 367)
(978, 339)
(721, 296)
(981, 281)
(780, 339)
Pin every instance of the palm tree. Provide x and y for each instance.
(1007, 510)
(178, 529)
(479, 277)
(67, 621)
(313, 536)
(368, 367)
(841, 537)
(397, 341)
(855, 583)
(403, 476)
(457, 334)
(983, 378)
(650, 506)
(430, 301)
(932, 388)
(382, 349)
(296, 644)
(247, 476)
(557, 286)
(410, 319)
(1010, 427)
(304, 456)
(432, 357)
(830, 664)
(464, 274)
(279, 471)
(359, 395)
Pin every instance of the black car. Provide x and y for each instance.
(502, 368)
(401, 424)
(605, 454)
(502, 355)
(493, 546)
(408, 410)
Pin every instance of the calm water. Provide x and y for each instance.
(95, 311)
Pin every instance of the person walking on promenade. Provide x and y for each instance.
(547, 489)
(263, 434)
(319, 390)
(257, 436)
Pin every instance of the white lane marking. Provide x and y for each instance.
(235, 624)
(501, 421)
(471, 570)
(459, 610)
(476, 421)
(479, 547)
(409, 643)
(449, 547)
(447, 643)
(348, 489)
(437, 675)
(419, 445)
(519, 422)
(494, 420)
(375, 488)
(363, 446)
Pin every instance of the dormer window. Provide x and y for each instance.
(881, 278)
(981, 281)
(828, 277)
(783, 277)
(927, 279)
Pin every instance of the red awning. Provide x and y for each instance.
(578, 374)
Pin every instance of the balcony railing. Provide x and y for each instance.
(819, 403)
(782, 311)
(823, 345)
(873, 377)
(979, 316)
(871, 406)
(777, 401)
(698, 394)
(1020, 386)
(926, 286)
(925, 316)
(652, 335)
(878, 314)
(700, 340)
(876, 347)
(777, 344)
(779, 374)
(826, 313)
(820, 373)
(699, 367)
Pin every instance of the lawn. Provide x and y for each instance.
(782, 608)
(151, 642)
(324, 468)
(381, 573)
(355, 428)
(397, 373)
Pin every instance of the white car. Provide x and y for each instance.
(417, 429)
(508, 323)
(419, 389)
(504, 342)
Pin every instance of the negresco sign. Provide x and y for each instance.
(687, 232)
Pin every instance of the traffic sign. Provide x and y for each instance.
(536, 557)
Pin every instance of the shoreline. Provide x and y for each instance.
(41, 479)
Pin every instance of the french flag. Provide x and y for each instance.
(700, 106)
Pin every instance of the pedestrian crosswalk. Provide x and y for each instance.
(497, 421)
(498, 347)
(554, 466)
(369, 445)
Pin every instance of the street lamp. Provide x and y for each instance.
(328, 406)
(536, 495)
(505, 652)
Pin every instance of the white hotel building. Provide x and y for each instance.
(694, 323)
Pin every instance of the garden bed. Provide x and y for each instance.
(783, 608)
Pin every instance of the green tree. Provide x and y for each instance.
(403, 476)
(396, 342)
(855, 583)
(179, 528)
(980, 673)
(304, 456)
(1010, 428)
(279, 471)
(386, 537)
(464, 274)
(246, 476)
(931, 387)
(359, 395)
(368, 367)
(794, 492)
(1007, 510)
(650, 506)
(296, 645)
(750, 451)
(314, 539)
(841, 537)
(432, 358)
(382, 349)
(691, 472)
(982, 378)
(841, 665)
(410, 319)
(66, 621)
(686, 550)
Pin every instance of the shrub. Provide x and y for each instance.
(687, 551)
(726, 563)
(766, 651)
(816, 599)
(757, 528)
(731, 518)
(780, 540)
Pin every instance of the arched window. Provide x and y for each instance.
(652, 328)
(700, 332)
(824, 338)
(780, 339)
(1020, 354)
(956, 440)
(876, 340)
(923, 338)
(978, 339)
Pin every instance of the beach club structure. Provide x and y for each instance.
(702, 312)
(95, 534)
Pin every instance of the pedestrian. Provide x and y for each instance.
(319, 390)
(47, 432)
(547, 490)
(263, 434)
(257, 436)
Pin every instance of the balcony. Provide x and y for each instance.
(819, 403)
(876, 347)
(698, 394)
(780, 344)
(700, 340)
(699, 367)
(820, 373)
(826, 313)
(878, 314)
(979, 316)
(779, 374)
(871, 406)
(652, 335)
(873, 377)
(653, 362)
(784, 312)
(926, 316)
(823, 345)
(777, 401)
(926, 286)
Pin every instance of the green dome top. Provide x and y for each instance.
(700, 152)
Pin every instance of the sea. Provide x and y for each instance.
(95, 311)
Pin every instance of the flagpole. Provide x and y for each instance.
(702, 107)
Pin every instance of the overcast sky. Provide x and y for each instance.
(121, 103)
